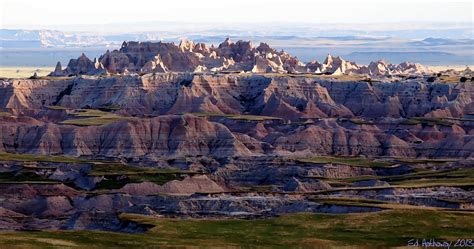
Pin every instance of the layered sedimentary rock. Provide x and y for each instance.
(283, 97)
(187, 56)
(76, 152)
(321, 109)
(149, 57)
(81, 65)
(338, 66)
(227, 145)
(165, 135)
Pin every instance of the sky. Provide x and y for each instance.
(54, 13)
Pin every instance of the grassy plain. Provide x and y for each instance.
(390, 228)
(92, 117)
(24, 72)
(351, 161)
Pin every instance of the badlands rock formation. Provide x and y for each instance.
(284, 97)
(170, 130)
(159, 57)
(302, 117)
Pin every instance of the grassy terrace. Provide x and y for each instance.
(235, 116)
(362, 202)
(351, 161)
(39, 158)
(418, 178)
(91, 117)
(364, 230)
(5, 114)
(456, 177)
(120, 169)
(435, 161)
(359, 121)
(117, 175)
(56, 107)
(427, 121)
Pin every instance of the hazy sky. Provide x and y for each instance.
(44, 13)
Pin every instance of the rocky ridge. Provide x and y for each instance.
(241, 56)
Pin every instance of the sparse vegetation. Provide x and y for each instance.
(93, 117)
(382, 229)
(5, 114)
(359, 121)
(121, 169)
(351, 161)
(39, 158)
(425, 177)
(23, 176)
(427, 121)
(117, 175)
(456, 177)
(56, 107)
(110, 107)
(118, 181)
(235, 116)
(449, 79)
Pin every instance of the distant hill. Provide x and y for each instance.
(19, 47)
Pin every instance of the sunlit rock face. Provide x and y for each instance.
(240, 56)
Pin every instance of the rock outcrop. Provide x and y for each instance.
(283, 97)
(79, 66)
(178, 136)
(226, 145)
(187, 56)
(338, 66)
(188, 186)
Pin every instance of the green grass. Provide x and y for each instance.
(116, 182)
(427, 121)
(121, 169)
(92, 117)
(56, 107)
(457, 177)
(421, 178)
(426, 160)
(39, 158)
(363, 202)
(5, 114)
(118, 175)
(304, 230)
(235, 116)
(359, 121)
(110, 107)
(351, 161)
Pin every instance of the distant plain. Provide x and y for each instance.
(24, 72)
